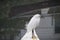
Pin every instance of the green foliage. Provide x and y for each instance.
(6, 5)
(11, 26)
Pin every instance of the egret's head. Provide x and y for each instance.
(37, 15)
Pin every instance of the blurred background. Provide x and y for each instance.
(15, 13)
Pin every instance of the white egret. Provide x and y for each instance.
(31, 33)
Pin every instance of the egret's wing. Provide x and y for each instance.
(27, 36)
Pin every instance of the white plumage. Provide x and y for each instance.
(27, 36)
(33, 23)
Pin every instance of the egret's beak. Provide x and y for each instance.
(46, 15)
(42, 16)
